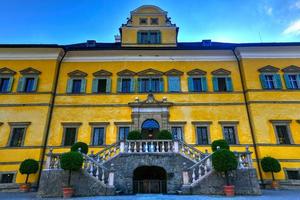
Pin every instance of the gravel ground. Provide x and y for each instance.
(267, 195)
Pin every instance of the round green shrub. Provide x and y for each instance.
(164, 135)
(224, 160)
(134, 135)
(221, 143)
(71, 161)
(270, 164)
(83, 146)
(29, 166)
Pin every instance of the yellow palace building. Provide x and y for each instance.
(52, 96)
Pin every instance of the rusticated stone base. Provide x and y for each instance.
(52, 181)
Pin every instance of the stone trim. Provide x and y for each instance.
(285, 169)
(291, 69)
(181, 123)
(173, 72)
(150, 72)
(178, 124)
(229, 122)
(126, 72)
(19, 124)
(69, 125)
(14, 125)
(9, 172)
(98, 125)
(220, 71)
(30, 71)
(234, 125)
(202, 124)
(123, 123)
(196, 72)
(282, 123)
(77, 73)
(102, 73)
(6, 71)
(268, 69)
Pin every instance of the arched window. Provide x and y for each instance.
(150, 124)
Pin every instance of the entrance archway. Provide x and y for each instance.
(149, 179)
(150, 128)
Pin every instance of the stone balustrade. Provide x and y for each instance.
(148, 146)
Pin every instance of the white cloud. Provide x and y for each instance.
(269, 10)
(293, 28)
(297, 5)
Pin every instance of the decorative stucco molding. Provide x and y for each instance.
(174, 72)
(77, 73)
(30, 71)
(221, 71)
(102, 72)
(126, 72)
(196, 72)
(19, 123)
(6, 71)
(291, 69)
(150, 72)
(268, 68)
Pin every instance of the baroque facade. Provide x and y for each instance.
(54, 95)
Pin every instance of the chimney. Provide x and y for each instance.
(91, 43)
(206, 43)
(117, 38)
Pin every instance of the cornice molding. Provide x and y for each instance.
(98, 123)
(221, 71)
(30, 71)
(19, 123)
(268, 68)
(77, 73)
(173, 72)
(196, 72)
(102, 72)
(126, 72)
(30, 53)
(6, 71)
(291, 69)
(150, 72)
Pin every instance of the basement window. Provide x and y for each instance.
(293, 174)
(7, 178)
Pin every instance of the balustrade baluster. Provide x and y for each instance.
(135, 148)
(157, 147)
(169, 148)
(146, 147)
(103, 176)
(199, 172)
(193, 176)
(97, 172)
(91, 168)
(162, 147)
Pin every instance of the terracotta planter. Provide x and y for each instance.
(68, 192)
(275, 185)
(25, 187)
(229, 190)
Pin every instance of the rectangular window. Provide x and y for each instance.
(17, 137)
(143, 21)
(29, 85)
(197, 84)
(174, 84)
(222, 84)
(155, 85)
(123, 132)
(70, 136)
(76, 86)
(4, 84)
(202, 135)
(293, 174)
(102, 85)
(98, 136)
(270, 82)
(154, 21)
(293, 81)
(150, 85)
(149, 37)
(229, 134)
(145, 85)
(7, 178)
(177, 132)
(126, 85)
(282, 134)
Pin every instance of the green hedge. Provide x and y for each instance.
(29, 166)
(221, 143)
(83, 146)
(71, 161)
(164, 135)
(134, 135)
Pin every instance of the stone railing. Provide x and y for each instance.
(244, 159)
(147, 146)
(53, 160)
(190, 152)
(107, 153)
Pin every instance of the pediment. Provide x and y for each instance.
(268, 68)
(6, 71)
(77, 73)
(291, 69)
(196, 72)
(150, 72)
(126, 72)
(174, 72)
(30, 71)
(221, 71)
(102, 73)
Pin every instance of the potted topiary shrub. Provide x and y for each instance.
(71, 161)
(223, 144)
(134, 135)
(84, 148)
(272, 165)
(225, 161)
(164, 135)
(28, 166)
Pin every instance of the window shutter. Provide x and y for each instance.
(203, 84)
(158, 37)
(139, 37)
(229, 84)
(35, 84)
(287, 81)
(190, 84)
(95, 85)
(119, 84)
(215, 84)
(69, 85)
(108, 85)
(21, 84)
(263, 81)
(161, 84)
(132, 85)
(83, 85)
(278, 84)
(173, 84)
(10, 83)
(139, 85)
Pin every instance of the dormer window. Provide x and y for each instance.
(154, 21)
(149, 37)
(143, 21)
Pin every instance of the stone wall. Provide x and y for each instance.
(125, 164)
(52, 181)
(244, 180)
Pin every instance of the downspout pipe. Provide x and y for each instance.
(249, 116)
(49, 120)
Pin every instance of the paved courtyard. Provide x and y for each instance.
(267, 194)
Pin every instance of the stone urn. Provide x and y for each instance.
(68, 192)
(25, 187)
(229, 190)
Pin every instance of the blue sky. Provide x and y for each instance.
(74, 21)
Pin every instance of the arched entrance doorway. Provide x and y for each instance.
(150, 128)
(149, 179)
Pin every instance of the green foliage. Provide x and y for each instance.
(29, 166)
(134, 135)
(83, 146)
(164, 135)
(270, 164)
(221, 143)
(224, 160)
(71, 161)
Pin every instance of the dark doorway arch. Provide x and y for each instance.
(150, 128)
(149, 179)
